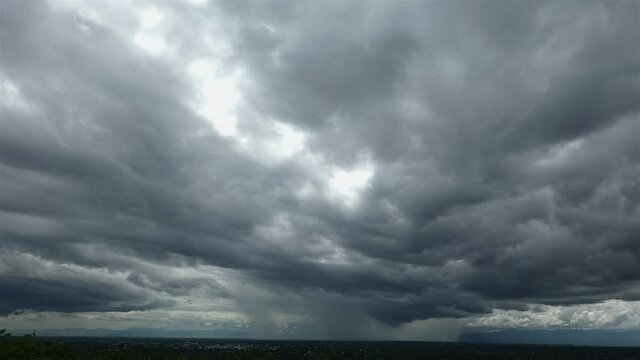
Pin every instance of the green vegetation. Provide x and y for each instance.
(27, 348)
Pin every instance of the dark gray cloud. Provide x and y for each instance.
(35, 294)
(488, 154)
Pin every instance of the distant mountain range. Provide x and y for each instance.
(557, 337)
(138, 332)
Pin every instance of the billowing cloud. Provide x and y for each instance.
(275, 164)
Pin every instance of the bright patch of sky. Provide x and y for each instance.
(347, 184)
(151, 35)
(217, 95)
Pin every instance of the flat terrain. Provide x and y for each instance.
(160, 349)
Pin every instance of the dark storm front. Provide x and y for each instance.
(165, 349)
(389, 170)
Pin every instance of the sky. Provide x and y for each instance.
(398, 170)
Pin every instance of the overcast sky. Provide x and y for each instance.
(320, 169)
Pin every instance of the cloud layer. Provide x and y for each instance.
(279, 164)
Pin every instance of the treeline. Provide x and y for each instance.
(27, 348)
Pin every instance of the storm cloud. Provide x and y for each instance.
(287, 163)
